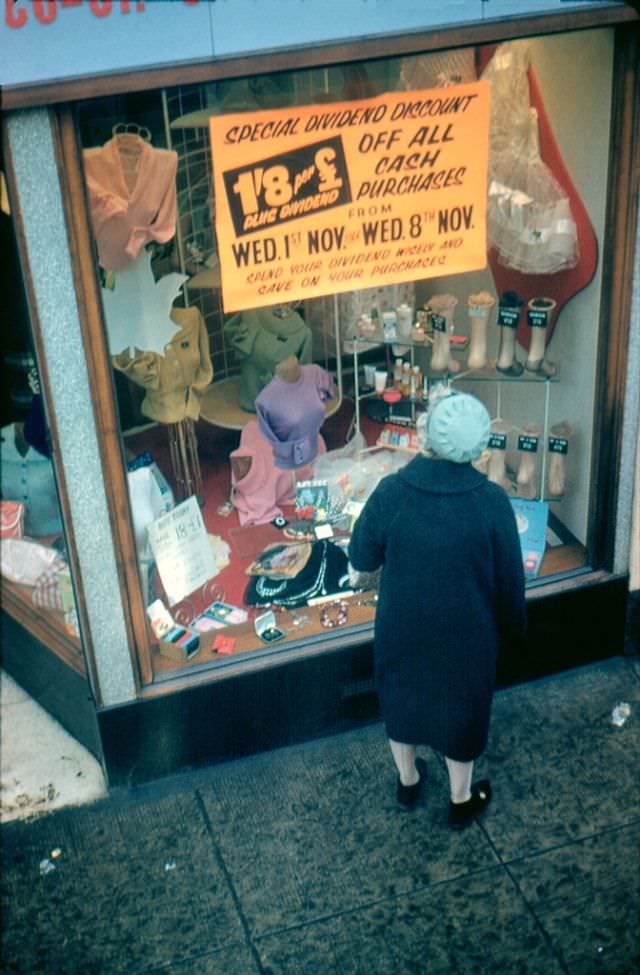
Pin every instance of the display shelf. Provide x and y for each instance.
(194, 120)
(490, 374)
(208, 278)
(220, 405)
(360, 615)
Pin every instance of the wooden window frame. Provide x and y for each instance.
(618, 263)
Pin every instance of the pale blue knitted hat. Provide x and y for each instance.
(458, 428)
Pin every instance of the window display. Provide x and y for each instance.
(34, 565)
(279, 421)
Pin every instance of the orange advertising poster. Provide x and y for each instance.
(321, 199)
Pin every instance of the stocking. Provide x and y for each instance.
(526, 478)
(459, 779)
(496, 469)
(558, 447)
(508, 318)
(442, 307)
(405, 758)
(479, 307)
(539, 317)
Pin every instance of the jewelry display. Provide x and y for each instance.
(299, 620)
(334, 614)
(370, 601)
(300, 529)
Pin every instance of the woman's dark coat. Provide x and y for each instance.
(451, 593)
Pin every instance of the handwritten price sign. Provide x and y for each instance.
(182, 551)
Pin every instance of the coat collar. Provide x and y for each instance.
(441, 476)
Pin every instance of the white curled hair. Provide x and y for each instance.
(436, 395)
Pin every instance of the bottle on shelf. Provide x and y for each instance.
(397, 374)
(416, 382)
(406, 379)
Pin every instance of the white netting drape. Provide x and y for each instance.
(529, 219)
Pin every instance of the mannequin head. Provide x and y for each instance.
(289, 369)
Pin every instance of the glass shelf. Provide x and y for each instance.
(488, 374)
(493, 375)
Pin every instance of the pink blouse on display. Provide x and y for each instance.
(124, 219)
(258, 495)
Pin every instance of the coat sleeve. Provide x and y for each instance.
(367, 547)
(509, 575)
(241, 335)
(163, 226)
(204, 373)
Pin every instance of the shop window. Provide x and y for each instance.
(37, 587)
(251, 437)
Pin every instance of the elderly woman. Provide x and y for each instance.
(451, 595)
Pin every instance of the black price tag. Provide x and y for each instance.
(528, 444)
(438, 322)
(498, 441)
(537, 318)
(509, 317)
(281, 188)
(558, 445)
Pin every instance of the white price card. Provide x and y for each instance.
(182, 551)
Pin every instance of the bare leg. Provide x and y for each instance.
(405, 758)
(459, 779)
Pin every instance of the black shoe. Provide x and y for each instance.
(461, 813)
(408, 795)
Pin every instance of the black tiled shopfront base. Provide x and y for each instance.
(330, 693)
(300, 861)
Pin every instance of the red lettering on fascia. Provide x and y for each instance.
(46, 10)
(13, 17)
(101, 8)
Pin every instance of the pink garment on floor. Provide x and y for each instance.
(258, 494)
(125, 220)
